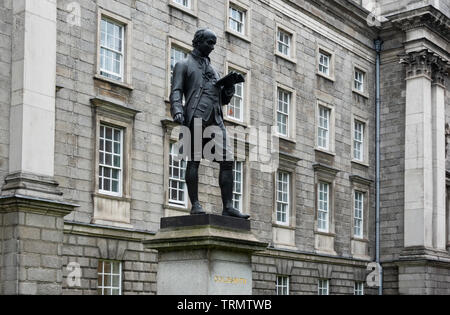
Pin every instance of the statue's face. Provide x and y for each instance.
(207, 45)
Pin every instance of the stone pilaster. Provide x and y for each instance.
(439, 72)
(418, 151)
(31, 208)
(32, 119)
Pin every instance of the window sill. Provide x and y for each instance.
(284, 138)
(294, 61)
(362, 240)
(111, 197)
(177, 208)
(361, 163)
(236, 122)
(363, 94)
(245, 38)
(282, 226)
(329, 234)
(329, 78)
(177, 6)
(114, 82)
(325, 151)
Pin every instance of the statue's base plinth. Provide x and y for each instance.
(204, 255)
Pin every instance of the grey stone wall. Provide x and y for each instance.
(304, 275)
(426, 279)
(138, 265)
(393, 93)
(5, 83)
(31, 245)
(75, 141)
(75, 130)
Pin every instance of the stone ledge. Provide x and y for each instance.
(18, 203)
(205, 231)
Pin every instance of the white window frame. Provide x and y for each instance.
(286, 197)
(358, 214)
(291, 114)
(238, 185)
(323, 128)
(324, 67)
(323, 225)
(178, 180)
(111, 274)
(180, 45)
(322, 51)
(330, 128)
(358, 140)
(323, 287)
(284, 112)
(121, 53)
(364, 91)
(359, 80)
(191, 9)
(125, 80)
(283, 287)
(113, 155)
(364, 142)
(358, 288)
(245, 10)
(291, 55)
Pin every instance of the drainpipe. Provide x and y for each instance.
(378, 47)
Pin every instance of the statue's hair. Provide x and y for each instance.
(199, 36)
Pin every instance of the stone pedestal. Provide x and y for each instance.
(204, 255)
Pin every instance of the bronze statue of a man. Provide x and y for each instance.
(196, 80)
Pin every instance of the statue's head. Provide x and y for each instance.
(204, 41)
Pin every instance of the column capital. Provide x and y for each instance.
(425, 63)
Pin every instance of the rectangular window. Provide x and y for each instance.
(112, 49)
(184, 3)
(237, 20)
(238, 172)
(282, 285)
(359, 288)
(110, 160)
(284, 104)
(358, 214)
(284, 43)
(324, 63)
(177, 184)
(323, 135)
(282, 187)
(323, 206)
(109, 278)
(176, 54)
(359, 80)
(323, 287)
(236, 106)
(358, 141)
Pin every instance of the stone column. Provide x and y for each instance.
(439, 69)
(418, 152)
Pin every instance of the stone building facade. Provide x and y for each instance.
(86, 141)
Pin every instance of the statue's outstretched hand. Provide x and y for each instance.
(179, 118)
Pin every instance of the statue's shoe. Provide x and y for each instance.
(231, 212)
(197, 209)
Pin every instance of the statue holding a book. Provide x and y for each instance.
(204, 94)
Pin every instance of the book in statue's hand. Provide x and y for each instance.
(231, 79)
